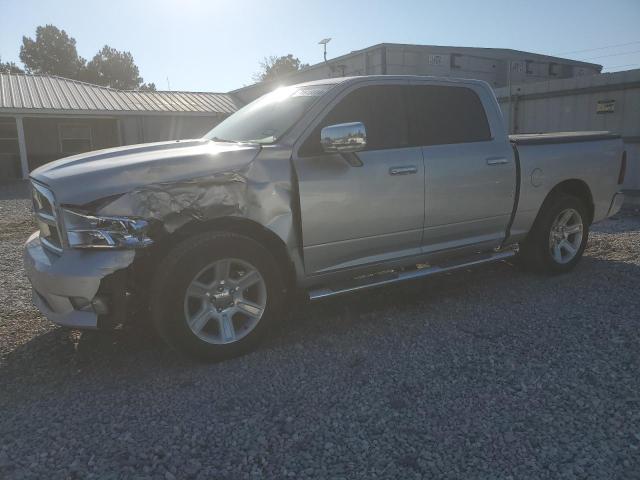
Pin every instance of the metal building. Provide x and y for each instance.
(488, 64)
(609, 101)
(43, 118)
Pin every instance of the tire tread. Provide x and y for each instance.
(169, 265)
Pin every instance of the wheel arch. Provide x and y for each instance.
(577, 188)
(242, 226)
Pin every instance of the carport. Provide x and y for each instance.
(44, 118)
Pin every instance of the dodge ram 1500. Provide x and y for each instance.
(324, 188)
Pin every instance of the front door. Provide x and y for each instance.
(368, 207)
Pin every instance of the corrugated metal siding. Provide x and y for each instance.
(43, 92)
(571, 104)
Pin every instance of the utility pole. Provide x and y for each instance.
(324, 42)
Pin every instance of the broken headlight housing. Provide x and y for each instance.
(93, 231)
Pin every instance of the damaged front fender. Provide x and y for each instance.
(260, 191)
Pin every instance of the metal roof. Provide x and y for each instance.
(43, 93)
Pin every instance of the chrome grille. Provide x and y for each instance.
(44, 207)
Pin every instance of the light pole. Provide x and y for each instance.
(324, 42)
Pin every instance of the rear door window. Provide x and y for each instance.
(442, 115)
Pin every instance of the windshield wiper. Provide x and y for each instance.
(263, 140)
(216, 139)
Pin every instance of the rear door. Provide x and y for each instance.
(470, 172)
(367, 207)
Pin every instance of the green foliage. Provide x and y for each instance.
(53, 52)
(273, 68)
(9, 67)
(113, 68)
(149, 87)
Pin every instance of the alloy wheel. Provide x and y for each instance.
(225, 301)
(565, 237)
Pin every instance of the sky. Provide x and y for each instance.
(217, 45)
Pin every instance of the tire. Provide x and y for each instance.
(200, 312)
(539, 252)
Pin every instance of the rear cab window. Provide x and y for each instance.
(441, 115)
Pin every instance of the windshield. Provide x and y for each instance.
(266, 119)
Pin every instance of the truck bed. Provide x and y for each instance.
(560, 137)
(591, 161)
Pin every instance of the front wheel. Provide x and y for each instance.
(558, 237)
(216, 295)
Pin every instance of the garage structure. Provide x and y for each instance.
(43, 118)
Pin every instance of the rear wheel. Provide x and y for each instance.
(558, 237)
(216, 295)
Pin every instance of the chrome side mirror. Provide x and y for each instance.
(343, 137)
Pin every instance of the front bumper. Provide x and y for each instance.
(77, 274)
(616, 204)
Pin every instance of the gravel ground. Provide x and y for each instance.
(487, 373)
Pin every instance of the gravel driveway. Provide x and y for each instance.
(487, 373)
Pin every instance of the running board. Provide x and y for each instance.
(377, 280)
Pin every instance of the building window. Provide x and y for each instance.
(434, 60)
(8, 138)
(9, 150)
(8, 130)
(74, 137)
(529, 65)
(517, 67)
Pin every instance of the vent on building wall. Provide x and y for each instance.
(434, 59)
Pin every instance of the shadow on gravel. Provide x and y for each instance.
(468, 300)
(136, 348)
(63, 354)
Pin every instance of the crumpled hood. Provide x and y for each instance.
(87, 177)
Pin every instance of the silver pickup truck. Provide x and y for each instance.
(324, 188)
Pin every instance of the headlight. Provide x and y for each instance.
(88, 231)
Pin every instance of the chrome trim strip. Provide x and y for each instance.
(48, 219)
(406, 170)
(497, 161)
(47, 244)
(46, 193)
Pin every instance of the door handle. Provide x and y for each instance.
(497, 161)
(408, 170)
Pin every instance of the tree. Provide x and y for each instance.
(113, 68)
(149, 87)
(9, 67)
(53, 52)
(273, 68)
